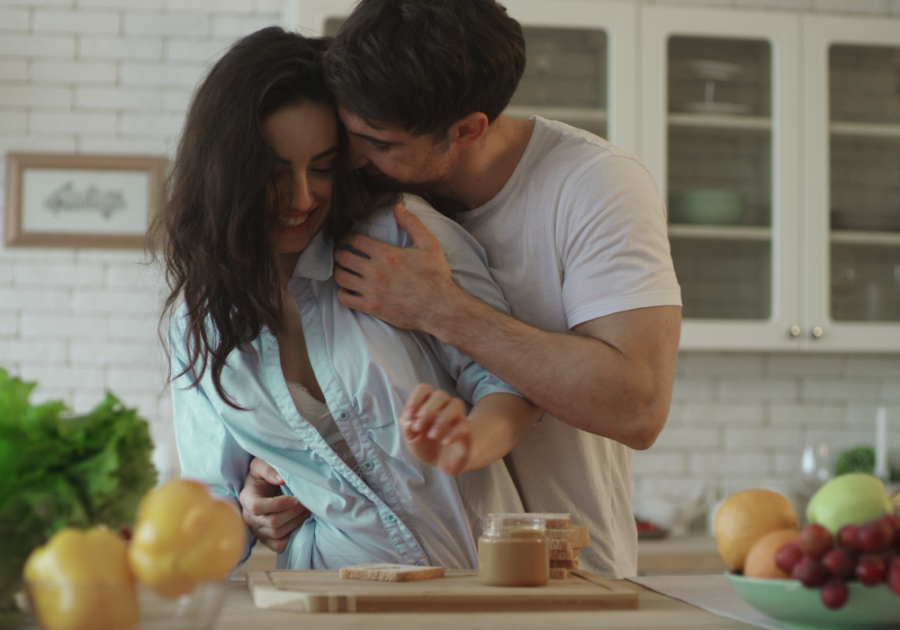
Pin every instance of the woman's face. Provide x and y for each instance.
(304, 139)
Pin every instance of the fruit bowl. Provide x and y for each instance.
(802, 609)
(196, 610)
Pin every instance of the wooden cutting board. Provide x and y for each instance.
(457, 591)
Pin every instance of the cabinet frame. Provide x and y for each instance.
(819, 33)
(658, 24)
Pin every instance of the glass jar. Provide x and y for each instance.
(514, 551)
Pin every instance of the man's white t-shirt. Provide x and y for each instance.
(578, 232)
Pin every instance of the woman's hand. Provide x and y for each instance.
(270, 515)
(436, 429)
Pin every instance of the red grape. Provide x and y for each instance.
(815, 540)
(892, 520)
(787, 556)
(870, 570)
(893, 575)
(874, 536)
(810, 572)
(846, 536)
(835, 593)
(840, 563)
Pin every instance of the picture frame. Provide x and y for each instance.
(82, 201)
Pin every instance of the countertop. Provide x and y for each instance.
(655, 611)
(695, 554)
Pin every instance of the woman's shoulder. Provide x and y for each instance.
(382, 225)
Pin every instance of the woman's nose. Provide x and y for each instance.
(301, 196)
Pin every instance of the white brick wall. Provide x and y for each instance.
(116, 76)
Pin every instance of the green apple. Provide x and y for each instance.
(850, 498)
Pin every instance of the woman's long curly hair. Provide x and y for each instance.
(217, 219)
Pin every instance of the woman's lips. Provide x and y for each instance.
(292, 222)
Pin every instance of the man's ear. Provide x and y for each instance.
(469, 130)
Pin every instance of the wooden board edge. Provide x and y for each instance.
(626, 593)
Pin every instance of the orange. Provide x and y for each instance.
(745, 517)
(761, 557)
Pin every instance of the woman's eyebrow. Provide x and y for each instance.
(325, 153)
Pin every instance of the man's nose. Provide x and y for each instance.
(358, 157)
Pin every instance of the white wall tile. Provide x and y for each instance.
(9, 325)
(33, 46)
(764, 389)
(113, 301)
(13, 70)
(134, 145)
(135, 379)
(805, 414)
(123, 5)
(724, 464)
(209, 6)
(13, 121)
(27, 298)
(142, 48)
(63, 377)
(35, 96)
(206, 52)
(13, 19)
(649, 462)
(853, 6)
(117, 98)
(73, 72)
(166, 24)
(841, 390)
(160, 74)
(234, 27)
(766, 439)
(80, 21)
(72, 122)
(162, 124)
(116, 354)
(22, 351)
(50, 325)
(35, 274)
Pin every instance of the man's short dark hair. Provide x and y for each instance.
(422, 65)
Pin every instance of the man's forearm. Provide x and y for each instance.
(499, 421)
(586, 382)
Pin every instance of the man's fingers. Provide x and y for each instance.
(355, 248)
(262, 470)
(421, 237)
(268, 506)
(348, 280)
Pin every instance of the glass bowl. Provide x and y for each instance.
(196, 610)
(800, 608)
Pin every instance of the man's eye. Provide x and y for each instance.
(380, 146)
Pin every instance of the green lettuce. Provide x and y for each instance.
(58, 469)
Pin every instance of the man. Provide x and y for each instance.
(575, 234)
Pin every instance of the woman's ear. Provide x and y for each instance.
(469, 130)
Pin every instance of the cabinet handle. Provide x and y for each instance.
(817, 332)
(795, 331)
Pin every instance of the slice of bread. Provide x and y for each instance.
(552, 520)
(560, 545)
(559, 573)
(564, 564)
(576, 534)
(564, 554)
(383, 572)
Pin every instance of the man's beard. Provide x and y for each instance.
(379, 184)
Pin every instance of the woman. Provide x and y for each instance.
(266, 362)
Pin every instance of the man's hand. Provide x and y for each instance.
(436, 429)
(270, 515)
(407, 287)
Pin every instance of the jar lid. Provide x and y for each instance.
(517, 526)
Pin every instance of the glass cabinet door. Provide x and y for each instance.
(718, 136)
(854, 183)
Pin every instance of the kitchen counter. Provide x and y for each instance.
(655, 611)
(695, 554)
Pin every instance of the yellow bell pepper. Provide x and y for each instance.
(80, 580)
(183, 535)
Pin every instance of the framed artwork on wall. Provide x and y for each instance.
(81, 201)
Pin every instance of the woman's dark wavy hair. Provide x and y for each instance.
(216, 221)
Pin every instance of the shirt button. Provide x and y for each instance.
(391, 518)
(343, 415)
(368, 465)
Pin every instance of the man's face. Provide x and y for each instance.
(393, 159)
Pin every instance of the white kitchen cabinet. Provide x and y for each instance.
(852, 183)
(750, 122)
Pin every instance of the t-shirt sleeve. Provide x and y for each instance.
(613, 241)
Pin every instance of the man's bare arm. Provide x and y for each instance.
(612, 376)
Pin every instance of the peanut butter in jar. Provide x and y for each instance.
(514, 551)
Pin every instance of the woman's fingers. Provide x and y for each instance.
(451, 414)
(428, 411)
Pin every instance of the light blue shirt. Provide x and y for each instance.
(405, 511)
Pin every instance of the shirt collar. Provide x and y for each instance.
(316, 261)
